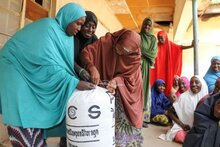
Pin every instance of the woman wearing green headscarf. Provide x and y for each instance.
(37, 76)
(149, 53)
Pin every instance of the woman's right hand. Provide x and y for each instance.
(84, 75)
(83, 85)
(94, 75)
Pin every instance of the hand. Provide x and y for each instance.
(95, 76)
(83, 85)
(173, 98)
(112, 85)
(84, 74)
(192, 44)
(186, 127)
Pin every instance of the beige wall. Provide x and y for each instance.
(107, 21)
(206, 52)
(208, 45)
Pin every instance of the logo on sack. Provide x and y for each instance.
(72, 112)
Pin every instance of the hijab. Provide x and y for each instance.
(186, 81)
(124, 67)
(187, 102)
(168, 62)
(206, 130)
(148, 43)
(80, 40)
(37, 75)
(211, 76)
(159, 101)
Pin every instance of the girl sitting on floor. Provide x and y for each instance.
(159, 103)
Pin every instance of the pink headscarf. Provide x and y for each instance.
(186, 81)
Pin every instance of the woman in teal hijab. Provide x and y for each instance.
(149, 53)
(37, 76)
(213, 73)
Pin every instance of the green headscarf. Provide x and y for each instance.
(149, 43)
(149, 52)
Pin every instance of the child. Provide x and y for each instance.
(159, 103)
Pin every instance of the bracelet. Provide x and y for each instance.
(80, 71)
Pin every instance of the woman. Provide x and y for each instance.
(206, 130)
(184, 108)
(83, 38)
(213, 73)
(183, 86)
(216, 90)
(116, 58)
(38, 61)
(168, 62)
(149, 53)
(160, 103)
(175, 86)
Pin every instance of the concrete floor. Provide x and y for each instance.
(150, 138)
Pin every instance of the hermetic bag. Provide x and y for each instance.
(90, 119)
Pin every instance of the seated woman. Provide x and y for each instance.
(213, 73)
(184, 108)
(205, 131)
(175, 86)
(183, 86)
(159, 103)
(216, 90)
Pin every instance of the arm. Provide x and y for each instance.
(188, 46)
(82, 72)
(89, 58)
(171, 113)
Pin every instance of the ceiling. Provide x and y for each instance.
(131, 13)
(168, 15)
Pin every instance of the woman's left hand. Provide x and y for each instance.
(111, 87)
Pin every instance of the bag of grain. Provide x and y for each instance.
(90, 119)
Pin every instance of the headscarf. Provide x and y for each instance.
(37, 76)
(67, 15)
(168, 62)
(211, 76)
(148, 43)
(125, 69)
(149, 53)
(186, 81)
(159, 101)
(185, 106)
(90, 16)
(80, 40)
(187, 102)
(206, 130)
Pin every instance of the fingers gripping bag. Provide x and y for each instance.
(90, 119)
